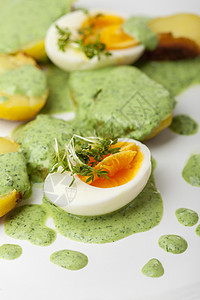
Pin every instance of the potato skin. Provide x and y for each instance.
(171, 48)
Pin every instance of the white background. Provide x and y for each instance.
(114, 270)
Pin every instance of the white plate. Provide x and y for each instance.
(114, 270)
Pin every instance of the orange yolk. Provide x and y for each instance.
(108, 30)
(122, 166)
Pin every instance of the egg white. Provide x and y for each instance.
(89, 200)
(73, 58)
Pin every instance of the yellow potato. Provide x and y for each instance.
(8, 145)
(8, 202)
(36, 50)
(180, 25)
(19, 107)
(164, 124)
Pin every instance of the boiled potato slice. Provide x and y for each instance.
(8, 202)
(180, 25)
(8, 145)
(36, 50)
(10, 62)
(20, 107)
(164, 124)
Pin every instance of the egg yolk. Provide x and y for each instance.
(108, 30)
(122, 166)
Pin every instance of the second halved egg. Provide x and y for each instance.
(72, 41)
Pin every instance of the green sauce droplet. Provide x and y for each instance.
(191, 171)
(186, 217)
(198, 230)
(10, 251)
(184, 125)
(153, 268)
(68, 259)
(28, 223)
(172, 243)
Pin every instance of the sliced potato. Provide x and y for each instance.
(8, 202)
(36, 50)
(164, 124)
(8, 145)
(180, 25)
(19, 107)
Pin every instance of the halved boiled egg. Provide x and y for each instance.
(128, 172)
(72, 41)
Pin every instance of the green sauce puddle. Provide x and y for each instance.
(184, 125)
(59, 99)
(143, 213)
(28, 223)
(10, 251)
(186, 217)
(68, 259)
(191, 171)
(176, 76)
(172, 243)
(153, 268)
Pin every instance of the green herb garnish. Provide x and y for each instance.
(64, 37)
(93, 49)
(90, 49)
(78, 154)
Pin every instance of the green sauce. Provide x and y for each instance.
(172, 243)
(142, 214)
(119, 101)
(187, 217)
(24, 23)
(28, 223)
(13, 174)
(3, 99)
(153, 268)
(10, 251)
(59, 99)
(68, 259)
(191, 171)
(198, 230)
(26, 80)
(184, 125)
(37, 139)
(138, 28)
(176, 76)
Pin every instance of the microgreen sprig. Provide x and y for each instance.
(78, 154)
(64, 37)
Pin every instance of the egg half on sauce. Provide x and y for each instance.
(128, 172)
(87, 33)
